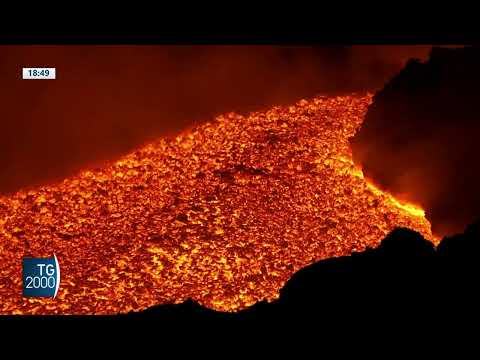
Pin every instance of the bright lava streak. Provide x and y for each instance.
(224, 214)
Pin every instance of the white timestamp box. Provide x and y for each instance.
(39, 73)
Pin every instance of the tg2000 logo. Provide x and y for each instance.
(41, 277)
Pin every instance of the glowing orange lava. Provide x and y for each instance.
(223, 214)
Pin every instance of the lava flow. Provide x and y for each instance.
(223, 214)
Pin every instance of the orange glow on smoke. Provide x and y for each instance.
(224, 214)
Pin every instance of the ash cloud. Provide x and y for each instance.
(420, 138)
(107, 100)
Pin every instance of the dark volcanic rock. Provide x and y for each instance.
(404, 279)
(421, 138)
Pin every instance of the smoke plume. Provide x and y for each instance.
(107, 100)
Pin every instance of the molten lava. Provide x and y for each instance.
(223, 214)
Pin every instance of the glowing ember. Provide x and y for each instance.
(223, 214)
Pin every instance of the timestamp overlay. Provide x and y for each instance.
(38, 73)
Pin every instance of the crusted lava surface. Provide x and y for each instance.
(223, 214)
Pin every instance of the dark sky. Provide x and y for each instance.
(107, 100)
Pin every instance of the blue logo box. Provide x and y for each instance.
(41, 277)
